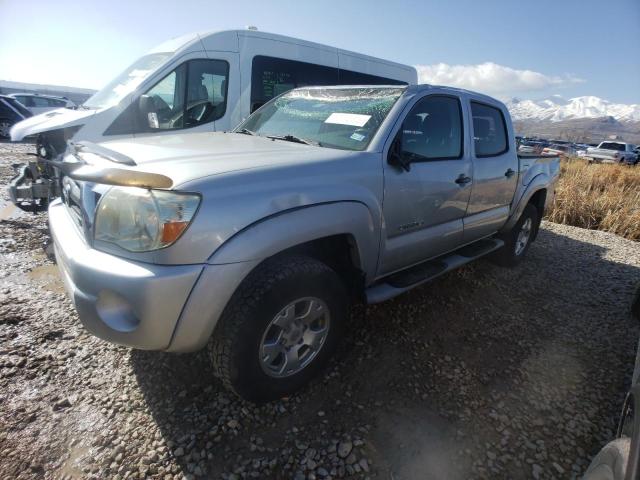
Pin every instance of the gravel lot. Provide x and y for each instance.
(484, 373)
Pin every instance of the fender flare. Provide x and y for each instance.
(276, 233)
(537, 183)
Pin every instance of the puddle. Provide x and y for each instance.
(7, 211)
(71, 467)
(48, 277)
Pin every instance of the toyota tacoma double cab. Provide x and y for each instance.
(254, 243)
(613, 152)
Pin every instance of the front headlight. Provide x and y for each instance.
(140, 220)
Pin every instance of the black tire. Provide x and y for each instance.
(509, 255)
(235, 344)
(5, 123)
(635, 304)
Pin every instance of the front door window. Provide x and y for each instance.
(193, 94)
(166, 101)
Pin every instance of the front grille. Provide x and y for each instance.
(72, 198)
(81, 200)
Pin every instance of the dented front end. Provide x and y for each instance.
(38, 182)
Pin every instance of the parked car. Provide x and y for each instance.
(196, 83)
(532, 146)
(613, 152)
(254, 242)
(581, 149)
(11, 112)
(36, 103)
(562, 150)
(620, 458)
(526, 147)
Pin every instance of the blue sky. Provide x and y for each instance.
(506, 48)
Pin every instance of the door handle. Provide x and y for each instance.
(463, 179)
(509, 173)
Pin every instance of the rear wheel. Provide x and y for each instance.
(280, 328)
(518, 240)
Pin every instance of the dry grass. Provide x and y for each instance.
(600, 197)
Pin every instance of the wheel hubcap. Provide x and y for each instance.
(523, 236)
(294, 337)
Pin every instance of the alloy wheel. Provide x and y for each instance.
(294, 337)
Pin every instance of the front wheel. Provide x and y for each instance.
(279, 328)
(518, 240)
(5, 128)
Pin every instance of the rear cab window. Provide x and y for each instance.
(489, 130)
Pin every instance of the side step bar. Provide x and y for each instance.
(403, 281)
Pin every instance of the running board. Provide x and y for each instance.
(400, 282)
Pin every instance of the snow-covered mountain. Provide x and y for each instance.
(556, 109)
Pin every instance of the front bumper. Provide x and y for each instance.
(142, 305)
(122, 301)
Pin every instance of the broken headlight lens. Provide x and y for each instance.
(141, 220)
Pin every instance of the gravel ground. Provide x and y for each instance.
(484, 373)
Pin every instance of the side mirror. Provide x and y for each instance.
(146, 108)
(396, 156)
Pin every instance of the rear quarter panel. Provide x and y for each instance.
(536, 172)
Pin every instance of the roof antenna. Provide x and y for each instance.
(251, 27)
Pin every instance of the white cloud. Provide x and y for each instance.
(491, 78)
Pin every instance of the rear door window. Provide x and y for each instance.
(489, 130)
(41, 102)
(25, 100)
(272, 76)
(347, 77)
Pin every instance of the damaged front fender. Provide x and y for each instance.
(31, 192)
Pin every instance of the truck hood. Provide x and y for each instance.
(187, 157)
(52, 120)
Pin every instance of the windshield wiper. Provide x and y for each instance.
(245, 131)
(294, 139)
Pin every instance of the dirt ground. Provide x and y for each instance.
(485, 373)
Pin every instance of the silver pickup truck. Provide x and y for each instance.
(253, 243)
(613, 152)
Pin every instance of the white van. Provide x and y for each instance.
(205, 82)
